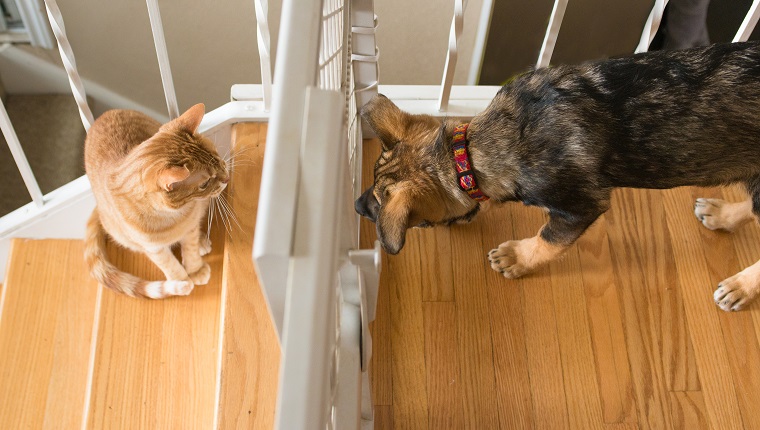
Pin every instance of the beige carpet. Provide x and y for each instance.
(52, 136)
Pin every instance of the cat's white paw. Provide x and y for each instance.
(163, 289)
(205, 245)
(202, 275)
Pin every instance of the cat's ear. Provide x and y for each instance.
(190, 120)
(172, 175)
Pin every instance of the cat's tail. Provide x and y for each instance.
(109, 276)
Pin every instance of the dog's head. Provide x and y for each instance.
(415, 180)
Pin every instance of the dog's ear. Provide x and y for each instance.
(386, 119)
(393, 221)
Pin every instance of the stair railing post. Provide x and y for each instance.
(159, 41)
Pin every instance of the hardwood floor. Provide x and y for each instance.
(621, 333)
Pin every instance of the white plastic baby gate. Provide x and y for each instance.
(321, 289)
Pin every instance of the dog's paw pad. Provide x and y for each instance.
(734, 293)
(202, 275)
(505, 260)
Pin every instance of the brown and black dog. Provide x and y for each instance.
(562, 138)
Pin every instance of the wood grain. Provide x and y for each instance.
(410, 406)
(250, 350)
(704, 323)
(688, 410)
(478, 388)
(511, 369)
(540, 324)
(155, 362)
(442, 365)
(606, 326)
(46, 318)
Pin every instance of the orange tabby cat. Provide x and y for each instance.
(152, 185)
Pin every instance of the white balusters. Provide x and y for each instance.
(552, 31)
(163, 58)
(745, 30)
(452, 54)
(262, 39)
(651, 26)
(67, 56)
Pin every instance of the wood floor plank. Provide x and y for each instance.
(688, 410)
(507, 330)
(605, 318)
(155, 364)
(442, 365)
(250, 350)
(574, 335)
(704, 323)
(383, 417)
(747, 245)
(478, 387)
(436, 263)
(643, 266)
(410, 406)
(47, 312)
(540, 326)
(738, 329)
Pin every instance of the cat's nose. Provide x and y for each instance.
(225, 180)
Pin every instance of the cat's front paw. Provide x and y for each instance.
(204, 245)
(202, 275)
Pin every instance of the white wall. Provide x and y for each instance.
(212, 45)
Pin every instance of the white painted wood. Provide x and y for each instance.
(311, 286)
(552, 32)
(457, 23)
(651, 26)
(749, 23)
(63, 216)
(481, 37)
(154, 13)
(69, 62)
(262, 38)
(36, 23)
(300, 24)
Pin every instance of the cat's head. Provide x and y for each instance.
(184, 165)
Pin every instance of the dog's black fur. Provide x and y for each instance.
(563, 137)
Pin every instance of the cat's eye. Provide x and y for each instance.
(204, 185)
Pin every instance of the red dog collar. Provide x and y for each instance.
(465, 174)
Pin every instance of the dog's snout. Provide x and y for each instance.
(366, 205)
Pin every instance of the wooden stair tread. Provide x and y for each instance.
(71, 352)
(250, 350)
(155, 365)
(46, 318)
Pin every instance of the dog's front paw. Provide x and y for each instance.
(506, 259)
(736, 292)
(717, 214)
(202, 275)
